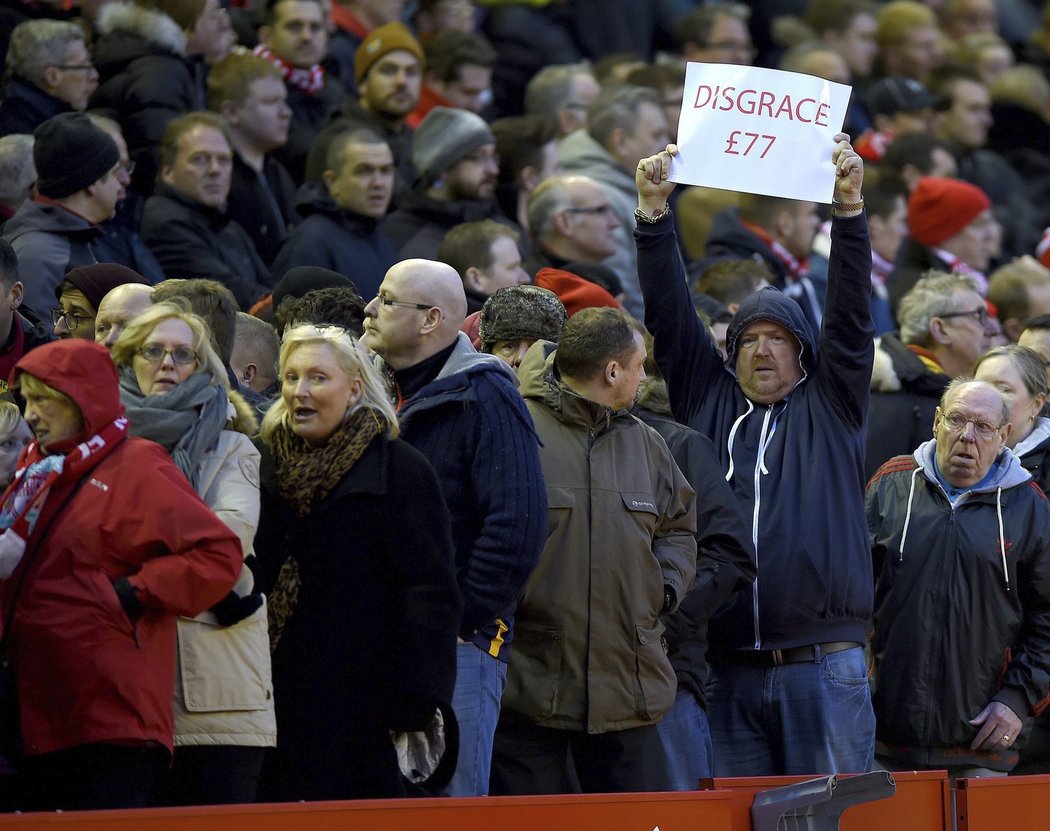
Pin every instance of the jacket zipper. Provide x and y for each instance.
(754, 521)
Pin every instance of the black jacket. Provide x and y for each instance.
(418, 227)
(25, 107)
(334, 238)
(725, 558)
(192, 240)
(373, 635)
(145, 80)
(962, 607)
(309, 114)
(264, 206)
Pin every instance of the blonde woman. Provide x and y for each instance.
(355, 539)
(176, 393)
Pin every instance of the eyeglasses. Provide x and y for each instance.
(956, 423)
(981, 313)
(72, 318)
(594, 209)
(154, 353)
(386, 301)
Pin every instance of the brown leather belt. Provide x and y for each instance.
(778, 657)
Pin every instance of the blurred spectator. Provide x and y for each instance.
(294, 38)
(455, 156)
(898, 107)
(351, 22)
(909, 40)
(49, 72)
(78, 188)
(886, 200)
(14, 436)
(668, 79)
(485, 255)
(570, 218)
(147, 74)
(985, 52)
(716, 33)
(17, 173)
(389, 72)
(249, 93)
(1020, 291)
(458, 74)
(847, 26)
(732, 281)
(915, 155)
(184, 223)
(528, 154)
(80, 293)
(1036, 336)
(562, 93)
(961, 18)
(341, 227)
(432, 17)
(515, 317)
(18, 333)
(624, 124)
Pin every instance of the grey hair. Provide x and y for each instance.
(935, 294)
(616, 108)
(551, 87)
(551, 196)
(38, 44)
(17, 171)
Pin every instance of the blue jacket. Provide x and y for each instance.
(471, 423)
(796, 466)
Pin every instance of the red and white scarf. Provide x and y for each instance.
(310, 81)
(36, 475)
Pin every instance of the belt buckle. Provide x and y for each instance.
(778, 657)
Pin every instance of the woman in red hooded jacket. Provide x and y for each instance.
(104, 543)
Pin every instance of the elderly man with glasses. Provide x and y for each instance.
(960, 539)
(463, 412)
(944, 327)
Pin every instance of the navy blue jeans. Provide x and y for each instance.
(686, 739)
(806, 718)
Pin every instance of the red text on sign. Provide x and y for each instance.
(750, 139)
(761, 102)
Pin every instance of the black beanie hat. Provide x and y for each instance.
(70, 153)
(521, 313)
(95, 281)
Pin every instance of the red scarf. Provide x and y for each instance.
(310, 81)
(796, 269)
(37, 473)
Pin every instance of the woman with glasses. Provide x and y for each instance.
(1020, 375)
(176, 392)
(355, 554)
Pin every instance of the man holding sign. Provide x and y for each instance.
(787, 413)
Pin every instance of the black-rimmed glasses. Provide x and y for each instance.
(72, 318)
(981, 313)
(594, 209)
(387, 301)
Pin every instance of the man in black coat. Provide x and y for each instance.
(185, 224)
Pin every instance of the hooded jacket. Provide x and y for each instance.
(472, 425)
(86, 673)
(145, 80)
(962, 607)
(796, 466)
(49, 241)
(337, 239)
(621, 518)
(1034, 453)
(905, 393)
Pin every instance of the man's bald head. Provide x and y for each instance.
(417, 313)
(119, 306)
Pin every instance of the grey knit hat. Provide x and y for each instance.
(70, 153)
(443, 138)
(521, 313)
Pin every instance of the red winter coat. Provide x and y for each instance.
(85, 672)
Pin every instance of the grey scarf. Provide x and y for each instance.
(187, 420)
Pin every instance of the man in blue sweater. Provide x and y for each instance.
(462, 410)
(787, 414)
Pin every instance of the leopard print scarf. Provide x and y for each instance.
(305, 476)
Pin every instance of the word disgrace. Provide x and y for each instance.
(762, 103)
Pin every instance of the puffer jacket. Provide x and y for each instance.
(962, 607)
(621, 517)
(224, 689)
(796, 466)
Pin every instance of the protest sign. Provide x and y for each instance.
(759, 131)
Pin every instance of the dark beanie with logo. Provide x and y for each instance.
(70, 153)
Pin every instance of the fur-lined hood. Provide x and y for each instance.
(242, 415)
(153, 26)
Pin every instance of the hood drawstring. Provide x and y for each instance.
(1002, 539)
(732, 435)
(907, 516)
(767, 442)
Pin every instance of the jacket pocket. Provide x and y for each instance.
(641, 508)
(654, 682)
(225, 668)
(535, 669)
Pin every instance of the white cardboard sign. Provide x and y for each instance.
(756, 130)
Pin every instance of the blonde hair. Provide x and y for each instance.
(896, 20)
(375, 393)
(135, 334)
(10, 417)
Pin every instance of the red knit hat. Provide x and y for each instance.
(940, 208)
(574, 292)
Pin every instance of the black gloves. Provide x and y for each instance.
(233, 608)
(129, 599)
(669, 600)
